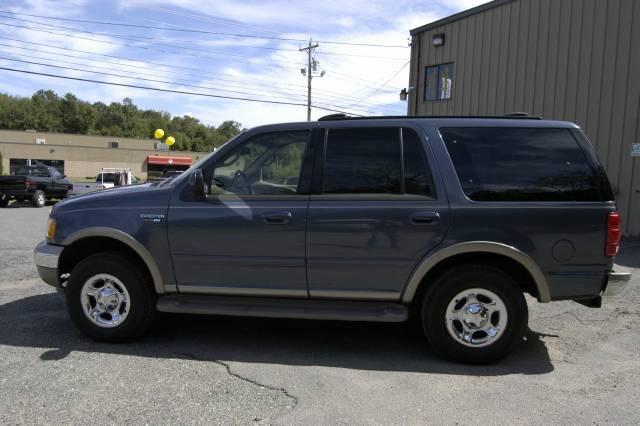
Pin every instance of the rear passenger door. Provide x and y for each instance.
(375, 211)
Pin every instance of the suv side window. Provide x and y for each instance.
(362, 161)
(417, 176)
(520, 164)
(267, 164)
(370, 161)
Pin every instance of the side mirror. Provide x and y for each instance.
(198, 186)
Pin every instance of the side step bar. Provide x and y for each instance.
(283, 308)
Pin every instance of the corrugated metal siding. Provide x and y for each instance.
(575, 60)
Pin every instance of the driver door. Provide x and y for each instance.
(247, 236)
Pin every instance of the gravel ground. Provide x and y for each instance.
(577, 365)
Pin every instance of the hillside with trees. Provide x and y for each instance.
(45, 111)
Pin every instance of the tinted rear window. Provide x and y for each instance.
(362, 161)
(516, 164)
(369, 161)
(417, 176)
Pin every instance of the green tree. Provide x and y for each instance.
(46, 111)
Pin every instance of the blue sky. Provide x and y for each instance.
(250, 67)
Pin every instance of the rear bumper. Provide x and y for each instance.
(617, 281)
(47, 257)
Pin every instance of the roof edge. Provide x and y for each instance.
(458, 16)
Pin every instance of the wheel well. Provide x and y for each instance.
(512, 267)
(85, 247)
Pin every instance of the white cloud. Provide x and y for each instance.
(460, 5)
(345, 21)
(233, 64)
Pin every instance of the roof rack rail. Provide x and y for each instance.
(517, 114)
(512, 116)
(334, 117)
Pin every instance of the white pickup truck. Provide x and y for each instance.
(107, 178)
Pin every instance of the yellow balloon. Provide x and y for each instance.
(158, 134)
(170, 140)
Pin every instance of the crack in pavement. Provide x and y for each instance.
(246, 379)
(614, 315)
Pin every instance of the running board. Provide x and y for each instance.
(283, 308)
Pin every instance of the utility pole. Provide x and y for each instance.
(312, 65)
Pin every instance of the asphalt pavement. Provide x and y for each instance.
(576, 365)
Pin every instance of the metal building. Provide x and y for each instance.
(82, 156)
(575, 60)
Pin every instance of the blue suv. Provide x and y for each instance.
(448, 220)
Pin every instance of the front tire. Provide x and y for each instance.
(474, 314)
(38, 200)
(4, 201)
(109, 298)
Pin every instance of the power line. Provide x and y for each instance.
(147, 79)
(152, 80)
(135, 78)
(242, 85)
(350, 79)
(217, 56)
(382, 85)
(181, 92)
(158, 81)
(131, 37)
(260, 82)
(152, 27)
(138, 38)
(209, 18)
(324, 52)
(99, 54)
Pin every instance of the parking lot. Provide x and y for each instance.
(577, 365)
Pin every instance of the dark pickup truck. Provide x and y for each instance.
(36, 183)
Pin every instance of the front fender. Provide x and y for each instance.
(123, 237)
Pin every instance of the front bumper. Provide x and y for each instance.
(47, 257)
(617, 281)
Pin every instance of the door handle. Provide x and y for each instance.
(425, 218)
(277, 218)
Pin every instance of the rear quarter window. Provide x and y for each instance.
(521, 164)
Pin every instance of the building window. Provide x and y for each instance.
(113, 144)
(438, 82)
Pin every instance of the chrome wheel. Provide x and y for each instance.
(476, 317)
(105, 300)
(41, 199)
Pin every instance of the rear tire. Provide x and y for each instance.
(38, 200)
(474, 314)
(123, 304)
(4, 201)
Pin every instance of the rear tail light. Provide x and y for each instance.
(614, 232)
(27, 183)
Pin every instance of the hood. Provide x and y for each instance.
(124, 196)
